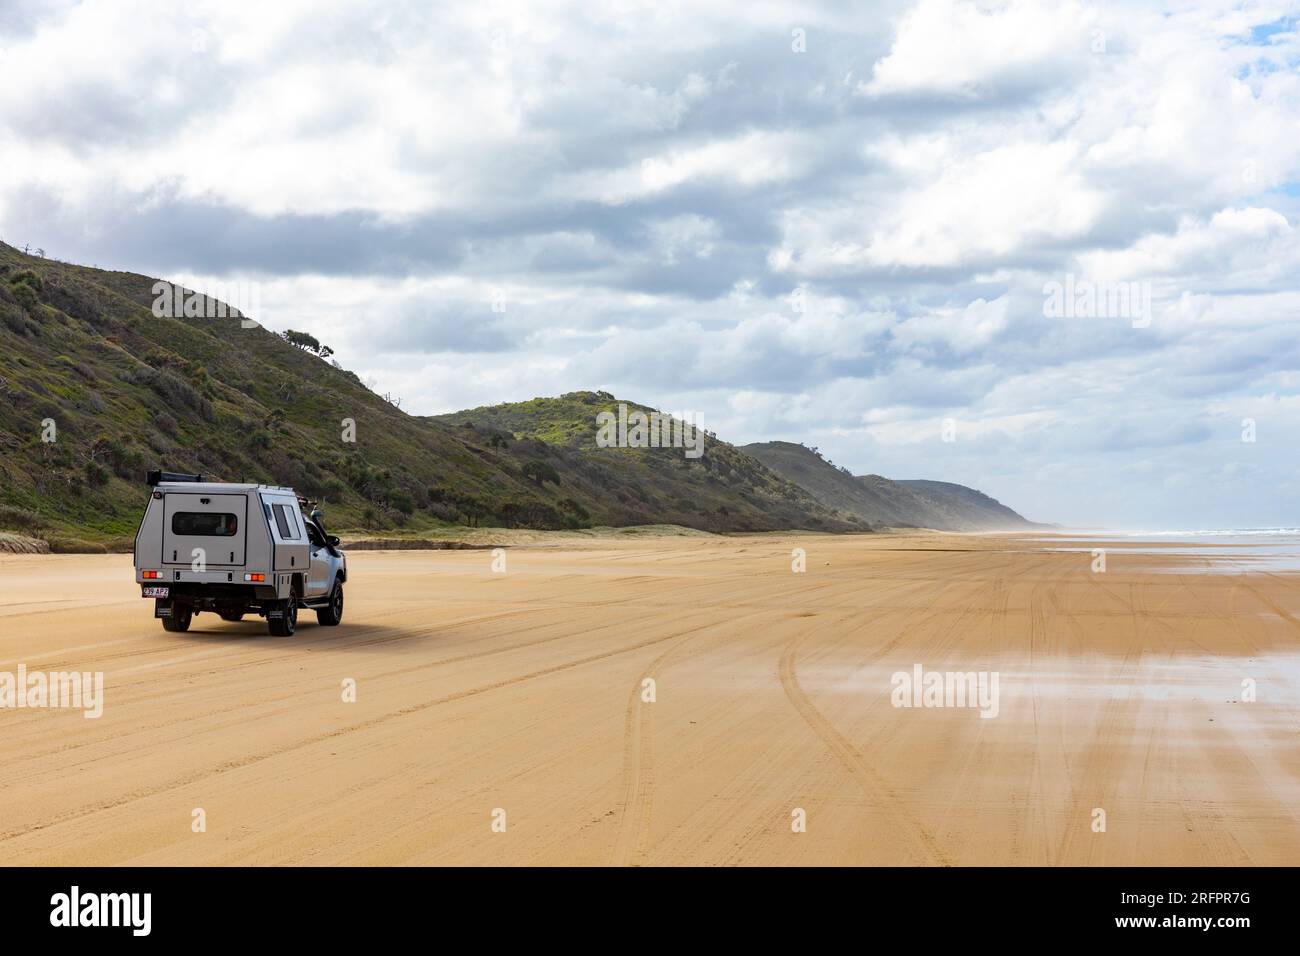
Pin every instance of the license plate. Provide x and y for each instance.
(156, 592)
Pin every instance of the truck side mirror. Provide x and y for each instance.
(333, 540)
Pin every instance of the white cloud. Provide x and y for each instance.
(963, 330)
(754, 159)
(1236, 246)
(968, 50)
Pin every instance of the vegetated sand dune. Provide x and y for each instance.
(523, 691)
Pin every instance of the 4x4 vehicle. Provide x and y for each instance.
(235, 549)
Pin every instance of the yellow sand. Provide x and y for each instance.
(522, 691)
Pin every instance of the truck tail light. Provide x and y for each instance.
(151, 575)
(256, 578)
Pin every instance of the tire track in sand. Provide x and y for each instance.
(919, 839)
(637, 806)
(312, 739)
(923, 844)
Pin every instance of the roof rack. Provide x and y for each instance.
(153, 478)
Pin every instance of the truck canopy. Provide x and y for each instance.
(214, 526)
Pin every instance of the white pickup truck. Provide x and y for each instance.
(233, 549)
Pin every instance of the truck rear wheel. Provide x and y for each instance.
(287, 623)
(179, 621)
(332, 613)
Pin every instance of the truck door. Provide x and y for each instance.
(321, 578)
(213, 525)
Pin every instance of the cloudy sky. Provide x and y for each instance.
(799, 222)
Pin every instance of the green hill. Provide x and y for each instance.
(885, 502)
(960, 506)
(723, 489)
(94, 389)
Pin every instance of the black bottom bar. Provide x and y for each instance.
(330, 906)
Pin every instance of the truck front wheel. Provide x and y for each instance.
(332, 613)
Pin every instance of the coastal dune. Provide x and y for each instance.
(673, 700)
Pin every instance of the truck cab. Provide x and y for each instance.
(235, 549)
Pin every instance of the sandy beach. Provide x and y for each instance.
(773, 705)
